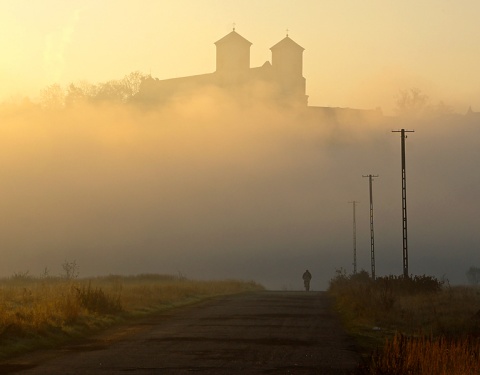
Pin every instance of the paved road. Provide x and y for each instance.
(259, 333)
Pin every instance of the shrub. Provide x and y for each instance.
(473, 275)
(22, 276)
(70, 270)
(383, 299)
(96, 300)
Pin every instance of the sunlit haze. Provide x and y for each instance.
(209, 186)
(357, 54)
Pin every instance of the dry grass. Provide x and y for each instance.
(411, 325)
(44, 311)
(426, 356)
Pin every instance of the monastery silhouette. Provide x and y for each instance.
(282, 78)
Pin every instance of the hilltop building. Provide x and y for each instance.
(282, 79)
(283, 76)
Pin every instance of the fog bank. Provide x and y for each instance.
(210, 189)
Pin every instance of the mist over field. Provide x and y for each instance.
(208, 188)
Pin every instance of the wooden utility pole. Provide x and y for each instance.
(372, 237)
(404, 201)
(354, 239)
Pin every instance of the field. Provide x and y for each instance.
(417, 325)
(46, 311)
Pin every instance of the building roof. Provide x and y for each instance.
(233, 37)
(287, 43)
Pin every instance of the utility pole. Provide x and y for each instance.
(404, 202)
(354, 239)
(372, 237)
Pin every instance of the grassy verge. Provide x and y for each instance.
(417, 325)
(44, 312)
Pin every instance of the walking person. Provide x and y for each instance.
(307, 276)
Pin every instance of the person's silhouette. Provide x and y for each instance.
(307, 276)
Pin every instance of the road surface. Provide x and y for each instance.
(258, 333)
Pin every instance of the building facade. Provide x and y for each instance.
(283, 75)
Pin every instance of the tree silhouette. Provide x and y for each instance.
(79, 93)
(52, 97)
(473, 275)
(120, 91)
(412, 102)
(115, 91)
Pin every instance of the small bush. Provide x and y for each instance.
(70, 270)
(66, 305)
(398, 285)
(96, 300)
(411, 285)
(22, 276)
(364, 296)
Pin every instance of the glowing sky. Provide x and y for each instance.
(358, 54)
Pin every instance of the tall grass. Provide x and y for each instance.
(412, 325)
(34, 310)
(426, 356)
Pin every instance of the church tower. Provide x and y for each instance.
(233, 54)
(287, 64)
